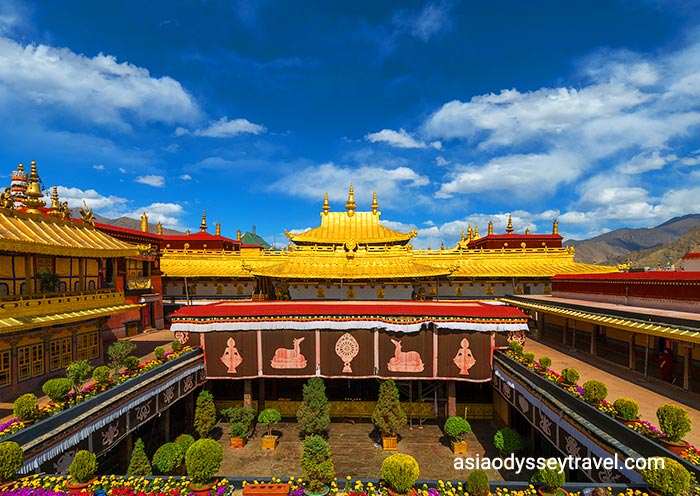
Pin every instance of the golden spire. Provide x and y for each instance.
(470, 233)
(326, 207)
(218, 228)
(476, 231)
(555, 227)
(187, 232)
(527, 231)
(375, 205)
(203, 225)
(350, 205)
(144, 222)
(55, 204)
(20, 167)
(462, 235)
(490, 231)
(509, 227)
(159, 228)
(238, 235)
(33, 202)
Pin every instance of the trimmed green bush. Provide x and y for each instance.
(529, 357)
(388, 416)
(204, 413)
(551, 476)
(672, 480)
(594, 392)
(131, 362)
(570, 375)
(314, 415)
(158, 352)
(185, 441)
(118, 352)
(101, 374)
(203, 460)
(83, 467)
(316, 463)
(545, 362)
(626, 408)
(168, 457)
(478, 483)
(400, 472)
(56, 389)
(674, 422)
(176, 345)
(139, 464)
(240, 420)
(516, 347)
(11, 459)
(507, 440)
(269, 417)
(25, 407)
(456, 428)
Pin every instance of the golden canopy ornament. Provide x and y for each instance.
(87, 214)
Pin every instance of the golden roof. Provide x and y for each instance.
(361, 228)
(179, 264)
(15, 324)
(26, 233)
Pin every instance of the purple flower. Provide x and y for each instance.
(8, 424)
(433, 492)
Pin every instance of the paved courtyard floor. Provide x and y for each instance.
(355, 452)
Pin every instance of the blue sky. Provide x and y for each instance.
(454, 112)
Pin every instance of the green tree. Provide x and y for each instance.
(314, 413)
(118, 353)
(77, 372)
(139, 464)
(204, 414)
(388, 416)
(316, 463)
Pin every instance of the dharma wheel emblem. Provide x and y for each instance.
(347, 348)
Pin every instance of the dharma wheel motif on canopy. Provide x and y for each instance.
(347, 348)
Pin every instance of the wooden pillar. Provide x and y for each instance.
(566, 331)
(594, 340)
(81, 274)
(261, 394)
(534, 433)
(632, 358)
(248, 393)
(164, 425)
(686, 367)
(451, 399)
(125, 449)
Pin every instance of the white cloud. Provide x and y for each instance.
(400, 139)
(122, 170)
(96, 89)
(166, 213)
(13, 16)
(151, 180)
(185, 177)
(645, 162)
(99, 203)
(98, 167)
(433, 19)
(441, 162)
(224, 128)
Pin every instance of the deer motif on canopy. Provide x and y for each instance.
(405, 361)
(286, 358)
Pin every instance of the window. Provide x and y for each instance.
(30, 361)
(60, 353)
(134, 268)
(88, 346)
(5, 369)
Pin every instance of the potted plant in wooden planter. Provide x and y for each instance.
(241, 421)
(627, 411)
(671, 479)
(82, 472)
(313, 415)
(550, 478)
(507, 441)
(11, 459)
(478, 483)
(317, 465)
(388, 416)
(203, 460)
(570, 376)
(25, 408)
(269, 417)
(545, 363)
(675, 424)
(400, 473)
(456, 429)
(594, 392)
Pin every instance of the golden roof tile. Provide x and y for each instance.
(362, 227)
(15, 324)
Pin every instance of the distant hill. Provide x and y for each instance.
(129, 223)
(644, 247)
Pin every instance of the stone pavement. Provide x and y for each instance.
(355, 452)
(622, 382)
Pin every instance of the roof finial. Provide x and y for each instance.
(55, 204)
(144, 222)
(490, 231)
(159, 228)
(375, 205)
(238, 235)
(470, 233)
(203, 225)
(527, 231)
(555, 227)
(509, 227)
(350, 205)
(33, 202)
(326, 207)
(476, 231)
(462, 235)
(218, 228)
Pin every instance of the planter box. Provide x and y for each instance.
(269, 442)
(266, 490)
(237, 442)
(459, 447)
(389, 443)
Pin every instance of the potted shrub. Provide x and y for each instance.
(139, 464)
(516, 347)
(551, 477)
(507, 441)
(82, 472)
(101, 375)
(77, 372)
(168, 457)
(269, 417)
(241, 424)
(388, 416)
(25, 407)
(204, 413)
(456, 429)
(670, 480)
(570, 376)
(400, 473)
(313, 415)
(11, 459)
(118, 353)
(203, 460)
(545, 363)
(627, 411)
(158, 352)
(317, 465)
(529, 357)
(594, 392)
(175, 345)
(56, 389)
(478, 483)
(675, 424)
(185, 441)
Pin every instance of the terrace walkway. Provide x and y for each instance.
(622, 382)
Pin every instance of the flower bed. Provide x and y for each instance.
(14, 425)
